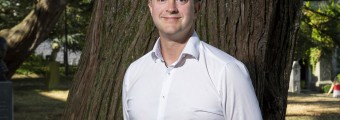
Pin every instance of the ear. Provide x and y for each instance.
(150, 6)
(197, 6)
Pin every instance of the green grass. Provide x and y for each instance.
(33, 101)
(32, 105)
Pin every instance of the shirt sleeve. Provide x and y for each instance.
(124, 97)
(238, 97)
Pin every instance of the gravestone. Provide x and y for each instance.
(6, 103)
(323, 72)
(336, 61)
(294, 82)
(6, 95)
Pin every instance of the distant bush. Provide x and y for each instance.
(34, 64)
(326, 88)
(71, 71)
(338, 78)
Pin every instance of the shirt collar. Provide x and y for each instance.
(191, 48)
(156, 51)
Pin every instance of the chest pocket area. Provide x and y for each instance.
(208, 114)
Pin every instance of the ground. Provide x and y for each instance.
(33, 101)
(312, 106)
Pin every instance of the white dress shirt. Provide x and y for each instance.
(205, 83)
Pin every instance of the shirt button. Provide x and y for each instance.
(168, 71)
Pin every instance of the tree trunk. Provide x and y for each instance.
(23, 38)
(259, 33)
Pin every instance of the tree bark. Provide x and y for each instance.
(24, 38)
(259, 33)
(120, 32)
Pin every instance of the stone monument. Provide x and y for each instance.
(6, 96)
(294, 82)
(323, 72)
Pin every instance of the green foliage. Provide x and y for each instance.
(326, 88)
(78, 15)
(13, 11)
(319, 30)
(71, 71)
(314, 56)
(338, 78)
(74, 23)
(34, 64)
(76, 20)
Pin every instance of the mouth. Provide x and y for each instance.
(171, 19)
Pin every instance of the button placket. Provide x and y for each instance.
(164, 93)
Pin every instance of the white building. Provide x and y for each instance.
(45, 49)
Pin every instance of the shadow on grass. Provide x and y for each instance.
(328, 102)
(322, 116)
(34, 101)
(309, 105)
(40, 83)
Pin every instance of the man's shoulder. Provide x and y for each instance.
(215, 54)
(135, 68)
(142, 60)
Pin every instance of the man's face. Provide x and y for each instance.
(173, 16)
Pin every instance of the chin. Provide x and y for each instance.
(171, 31)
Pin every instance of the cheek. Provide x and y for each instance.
(156, 15)
(187, 11)
(156, 10)
(190, 15)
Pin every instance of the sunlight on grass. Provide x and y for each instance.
(312, 107)
(56, 94)
(39, 104)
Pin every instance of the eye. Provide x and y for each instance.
(161, 1)
(182, 2)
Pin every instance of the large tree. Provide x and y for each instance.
(23, 38)
(260, 33)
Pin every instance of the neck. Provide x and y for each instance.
(171, 48)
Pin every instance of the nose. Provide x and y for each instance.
(172, 7)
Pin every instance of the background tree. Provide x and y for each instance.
(24, 37)
(70, 31)
(77, 16)
(261, 34)
(12, 11)
(320, 30)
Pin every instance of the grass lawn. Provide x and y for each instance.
(312, 106)
(32, 101)
(39, 105)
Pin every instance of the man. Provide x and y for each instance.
(183, 78)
